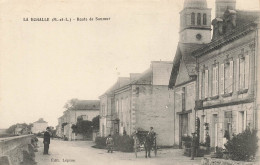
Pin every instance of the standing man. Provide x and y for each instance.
(110, 143)
(46, 140)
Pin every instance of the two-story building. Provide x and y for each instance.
(227, 96)
(39, 126)
(143, 103)
(108, 118)
(84, 109)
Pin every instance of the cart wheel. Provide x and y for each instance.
(155, 150)
(155, 147)
(135, 146)
(135, 152)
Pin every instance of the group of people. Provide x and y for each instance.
(149, 139)
(148, 143)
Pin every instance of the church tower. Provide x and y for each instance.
(223, 5)
(195, 22)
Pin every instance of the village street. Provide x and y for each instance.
(81, 153)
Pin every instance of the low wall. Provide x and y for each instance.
(212, 161)
(13, 147)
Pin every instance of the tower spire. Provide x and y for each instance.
(195, 25)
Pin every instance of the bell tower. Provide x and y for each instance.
(223, 5)
(195, 22)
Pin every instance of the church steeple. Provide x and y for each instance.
(223, 5)
(195, 24)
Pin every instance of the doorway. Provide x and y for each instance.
(183, 125)
(215, 131)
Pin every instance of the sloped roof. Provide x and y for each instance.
(145, 78)
(195, 4)
(122, 81)
(40, 121)
(245, 23)
(183, 53)
(86, 105)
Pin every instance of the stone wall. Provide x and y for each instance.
(13, 148)
(209, 161)
(151, 109)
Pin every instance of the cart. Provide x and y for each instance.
(139, 140)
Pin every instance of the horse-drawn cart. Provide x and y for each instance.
(144, 140)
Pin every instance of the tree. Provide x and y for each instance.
(11, 129)
(84, 127)
(71, 103)
(95, 122)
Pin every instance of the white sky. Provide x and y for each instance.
(44, 64)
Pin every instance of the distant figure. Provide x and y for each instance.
(46, 141)
(109, 143)
(151, 132)
(149, 141)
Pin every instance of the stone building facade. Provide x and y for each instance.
(223, 70)
(39, 126)
(143, 103)
(107, 108)
(227, 75)
(85, 109)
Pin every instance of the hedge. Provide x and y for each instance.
(121, 143)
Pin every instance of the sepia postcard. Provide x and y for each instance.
(113, 82)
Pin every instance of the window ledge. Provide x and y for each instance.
(214, 97)
(227, 94)
(242, 91)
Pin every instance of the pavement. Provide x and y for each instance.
(81, 153)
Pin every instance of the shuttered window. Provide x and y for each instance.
(215, 81)
(242, 74)
(206, 83)
(222, 79)
(231, 72)
(237, 74)
(201, 84)
(247, 72)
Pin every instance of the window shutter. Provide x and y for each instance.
(222, 79)
(200, 84)
(216, 80)
(242, 74)
(206, 83)
(237, 74)
(231, 72)
(245, 120)
(247, 71)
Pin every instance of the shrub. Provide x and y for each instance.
(207, 143)
(219, 152)
(124, 143)
(100, 142)
(187, 141)
(243, 146)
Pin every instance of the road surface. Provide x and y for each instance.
(81, 153)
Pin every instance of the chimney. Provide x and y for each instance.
(223, 5)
